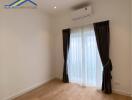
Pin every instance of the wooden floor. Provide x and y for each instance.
(56, 90)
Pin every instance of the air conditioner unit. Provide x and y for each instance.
(82, 13)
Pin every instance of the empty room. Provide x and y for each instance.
(65, 49)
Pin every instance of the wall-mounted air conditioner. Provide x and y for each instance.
(82, 13)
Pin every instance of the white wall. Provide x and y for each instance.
(118, 12)
(25, 56)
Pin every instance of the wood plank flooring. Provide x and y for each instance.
(56, 90)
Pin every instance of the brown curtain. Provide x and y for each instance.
(66, 43)
(102, 32)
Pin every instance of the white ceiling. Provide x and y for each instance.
(62, 5)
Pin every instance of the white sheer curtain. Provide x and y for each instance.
(84, 64)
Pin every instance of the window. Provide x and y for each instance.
(84, 64)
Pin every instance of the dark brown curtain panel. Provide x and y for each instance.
(102, 32)
(66, 43)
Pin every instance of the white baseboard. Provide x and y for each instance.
(27, 90)
(121, 92)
